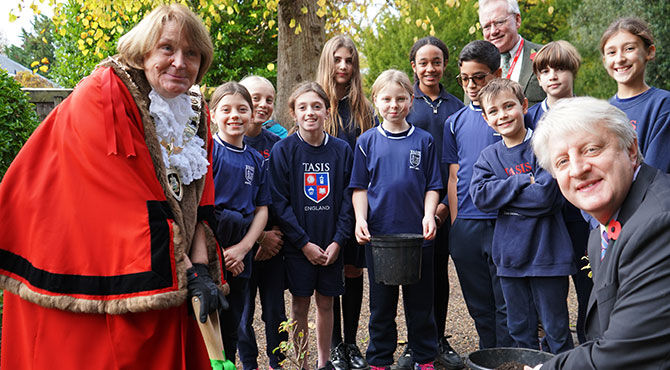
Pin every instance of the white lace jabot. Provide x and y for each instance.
(181, 151)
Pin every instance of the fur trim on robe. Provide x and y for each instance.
(88, 222)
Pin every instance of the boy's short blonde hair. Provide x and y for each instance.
(497, 87)
(558, 55)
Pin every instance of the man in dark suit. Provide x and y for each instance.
(592, 151)
(500, 21)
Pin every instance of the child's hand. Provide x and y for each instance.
(234, 257)
(361, 232)
(332, 252)
(429, 228)
(441, 215)
(236, 269)
(314, 254)
(270, 246)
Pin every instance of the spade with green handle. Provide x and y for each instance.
(211, 333)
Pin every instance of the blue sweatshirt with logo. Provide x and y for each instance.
(309, 191)
(530, 237)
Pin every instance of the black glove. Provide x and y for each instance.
(201, 285)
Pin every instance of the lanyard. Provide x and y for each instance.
(431, 105)
(516, 58)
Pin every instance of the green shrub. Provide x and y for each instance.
(17, 120)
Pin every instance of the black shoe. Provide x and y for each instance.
(338, 357)
(328, 366)
(356, 359)
(447, 357)
(405, 361)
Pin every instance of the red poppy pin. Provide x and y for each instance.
(613, 230)
(532, 55)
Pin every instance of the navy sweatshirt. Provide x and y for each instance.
(309, 191)
(649, 113)
(530, 237)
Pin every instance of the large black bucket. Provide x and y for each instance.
(397, 258)
(487, 359)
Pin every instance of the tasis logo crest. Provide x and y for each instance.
(317, 185)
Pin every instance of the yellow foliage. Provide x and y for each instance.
(291, 24)
(44, 68)
(271, 23)
(271, 67)
(44, 60)
(472, 30)
(298, 29)
(28, 79)
(304, 10)
(33, 64)
(85, 52)
(230, 10)
(550, 10)
(418, 22)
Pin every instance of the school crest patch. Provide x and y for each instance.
(414, 159)
(317, 185)
(248, 174)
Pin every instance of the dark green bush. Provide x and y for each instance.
(17, 120)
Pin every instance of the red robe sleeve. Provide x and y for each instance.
(84, 222)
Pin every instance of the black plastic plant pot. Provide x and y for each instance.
(488, 359)
(396, 258)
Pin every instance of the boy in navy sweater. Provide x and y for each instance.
(310, 173)
(466, 134)
(531, 246)
(556, 66)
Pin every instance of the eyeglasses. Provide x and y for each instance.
(497, 23)
(478, 78)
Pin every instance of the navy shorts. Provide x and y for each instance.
(303, 278)
(354, 253)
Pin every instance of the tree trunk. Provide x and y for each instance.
(297, 54)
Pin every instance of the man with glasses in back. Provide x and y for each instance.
(500, 21)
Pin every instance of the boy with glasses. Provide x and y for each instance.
(466, 134)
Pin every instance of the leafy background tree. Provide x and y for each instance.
(246, 34)
(17, 120)
(37, 46)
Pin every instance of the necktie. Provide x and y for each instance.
(604, 241)
(506, 56)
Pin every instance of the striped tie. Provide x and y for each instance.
(604, 241)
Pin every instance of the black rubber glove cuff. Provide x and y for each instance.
(201, 285)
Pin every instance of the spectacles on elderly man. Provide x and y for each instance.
(478, 78)
(497, 23)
